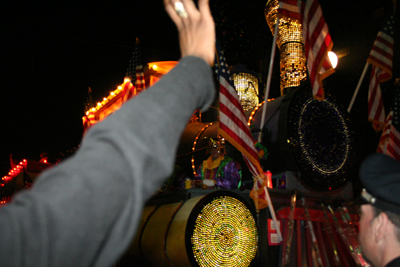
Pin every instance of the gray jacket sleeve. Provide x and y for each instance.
(85, 211)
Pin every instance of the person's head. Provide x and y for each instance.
(379, 233)
(214, 148)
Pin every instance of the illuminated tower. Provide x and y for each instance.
(293, 63)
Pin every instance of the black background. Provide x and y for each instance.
(51, 52)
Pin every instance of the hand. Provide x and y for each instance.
(196, 31)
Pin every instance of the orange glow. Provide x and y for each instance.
(268, 176)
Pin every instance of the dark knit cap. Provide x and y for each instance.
(380, 175)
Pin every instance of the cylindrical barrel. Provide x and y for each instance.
(216, 229)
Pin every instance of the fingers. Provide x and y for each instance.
(204, 8)
(170, 8)
(196, 27)
(182, 12)
(191, 9)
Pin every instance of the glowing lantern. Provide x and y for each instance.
(246, 84)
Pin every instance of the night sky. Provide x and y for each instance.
(51, 52)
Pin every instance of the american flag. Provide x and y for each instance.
(318, 43)
(233, 127)
(389, 143)
(233, 123)
(289, 8)
(134, 74)
(376, 111)
(381, 59)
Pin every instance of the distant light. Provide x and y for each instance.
(112, 93)
(154, 67)
(104, 99)
(127, 80)
(99, 104)
(333, 58)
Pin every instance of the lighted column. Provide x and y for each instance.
(293, 63)
(246, 84)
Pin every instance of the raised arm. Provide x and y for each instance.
(196, 28)
(85, 211)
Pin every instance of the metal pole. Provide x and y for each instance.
(358, 87)
(271, 64)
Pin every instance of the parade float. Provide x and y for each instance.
(310, 144)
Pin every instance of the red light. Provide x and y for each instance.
(45, 161)
(330, 188)
(2, 184)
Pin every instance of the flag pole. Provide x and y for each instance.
(272, 211)
(271, 63)
(358, 88)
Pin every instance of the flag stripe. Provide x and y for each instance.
(255, 167)
(228, 97)
(393, 148)
(289, 9)
(238, 132)
(229, 119)
(376, 112)
(317, 42)
(385, 134)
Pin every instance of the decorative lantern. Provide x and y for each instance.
(293, 63)
(246, 84)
